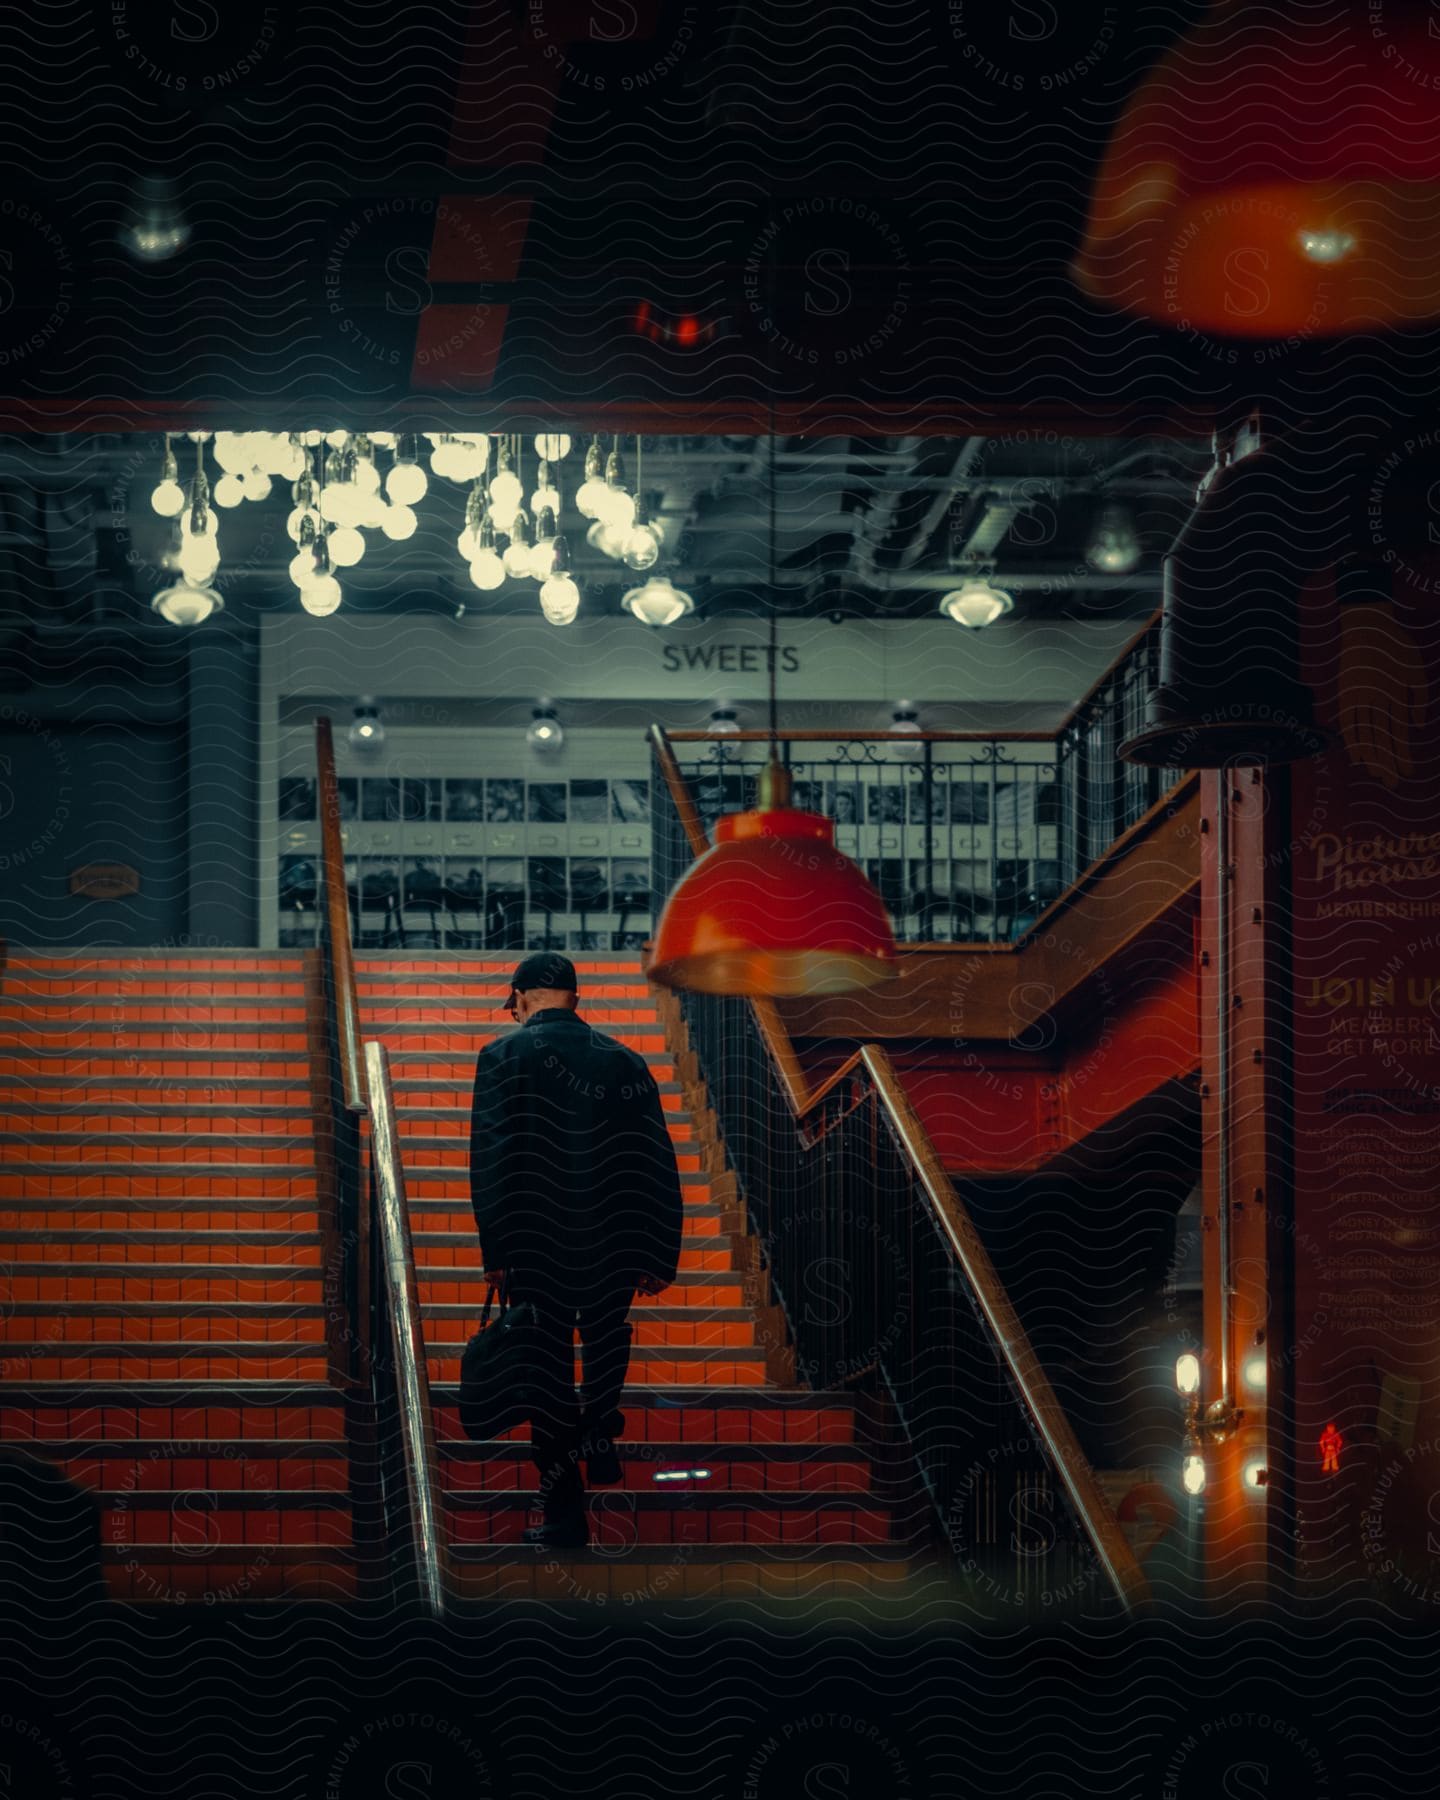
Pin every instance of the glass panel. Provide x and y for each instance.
(349, 797)
(547, 884)
(297, 797)
(546, 802)
(969, 801)
(299, 884)
(885, 805)
(589, 802)
(464, 800)
(379, 799)
(630, 802)
(842, 801)
(421, 798)
(504, 802)
(631, 876)
(504, 903)
(589, 886)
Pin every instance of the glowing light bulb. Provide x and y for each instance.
(517, 558)
(1187, 1373)
(617, 508)
(560, 600)
(1192, 1474)
(591, 496)
(543, 497)
(505, 493)
(657, 602)
(406, 483)
(255, 483)
(229, 490)
(553, 447)
(542, 560)
(487, 571)
(336, 500)
(347, 546)
(1325, 246)
(641, 548)
(211, 519)
(321, 596)
(186, 605)
(1114, 548)
(302, 568)
(199, 559)
(976, 604)
(168, 499)
(297, 518)
(468, 544)
(398, 523)
(232, 453)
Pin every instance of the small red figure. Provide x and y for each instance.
(1331, 1444)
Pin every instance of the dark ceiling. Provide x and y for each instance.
(662, 213)
(849, 226)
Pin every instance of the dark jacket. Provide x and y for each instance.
(572, 1172)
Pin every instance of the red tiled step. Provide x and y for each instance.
(52, 1363)
(262, 1152)
(151, 1037)
(49, 1182)
(151, 1127)
(141, 1283)
(758, 1519)
(159, 1413)
(665, 1472)
(168, 1327)
(654, 1367)
(260, 961)
(198, 1067)
(200, 1213)
(655, 1328)
(701, 1220)
(82, 1252)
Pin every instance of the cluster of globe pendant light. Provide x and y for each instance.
(343, 484)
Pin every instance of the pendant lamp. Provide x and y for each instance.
(773, 908)
(1230, 685)
(1277, 175)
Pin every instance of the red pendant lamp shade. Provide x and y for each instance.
(1277, 175)
(773, 908)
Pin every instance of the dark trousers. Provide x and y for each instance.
(567, 1425)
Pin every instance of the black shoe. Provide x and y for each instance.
(602, 1465)
(558, 1534)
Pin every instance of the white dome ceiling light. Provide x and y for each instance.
(976, 603)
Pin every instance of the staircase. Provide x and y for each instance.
(163, 1331)
(788, 1502)
(162, 1238)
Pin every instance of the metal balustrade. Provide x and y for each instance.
(968, 837)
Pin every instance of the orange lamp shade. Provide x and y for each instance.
(1277, 175)
(773, 908)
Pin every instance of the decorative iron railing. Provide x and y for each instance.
(968, 837)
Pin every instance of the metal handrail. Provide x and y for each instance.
(396, 1264)
(337, 917)
(1027, 1375)
(363, 1088)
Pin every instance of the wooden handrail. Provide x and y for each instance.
(1151, 624)
(850, 737)
(1031, 1383)
(1092, 1508)
(407, 1340)
(337, 918)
